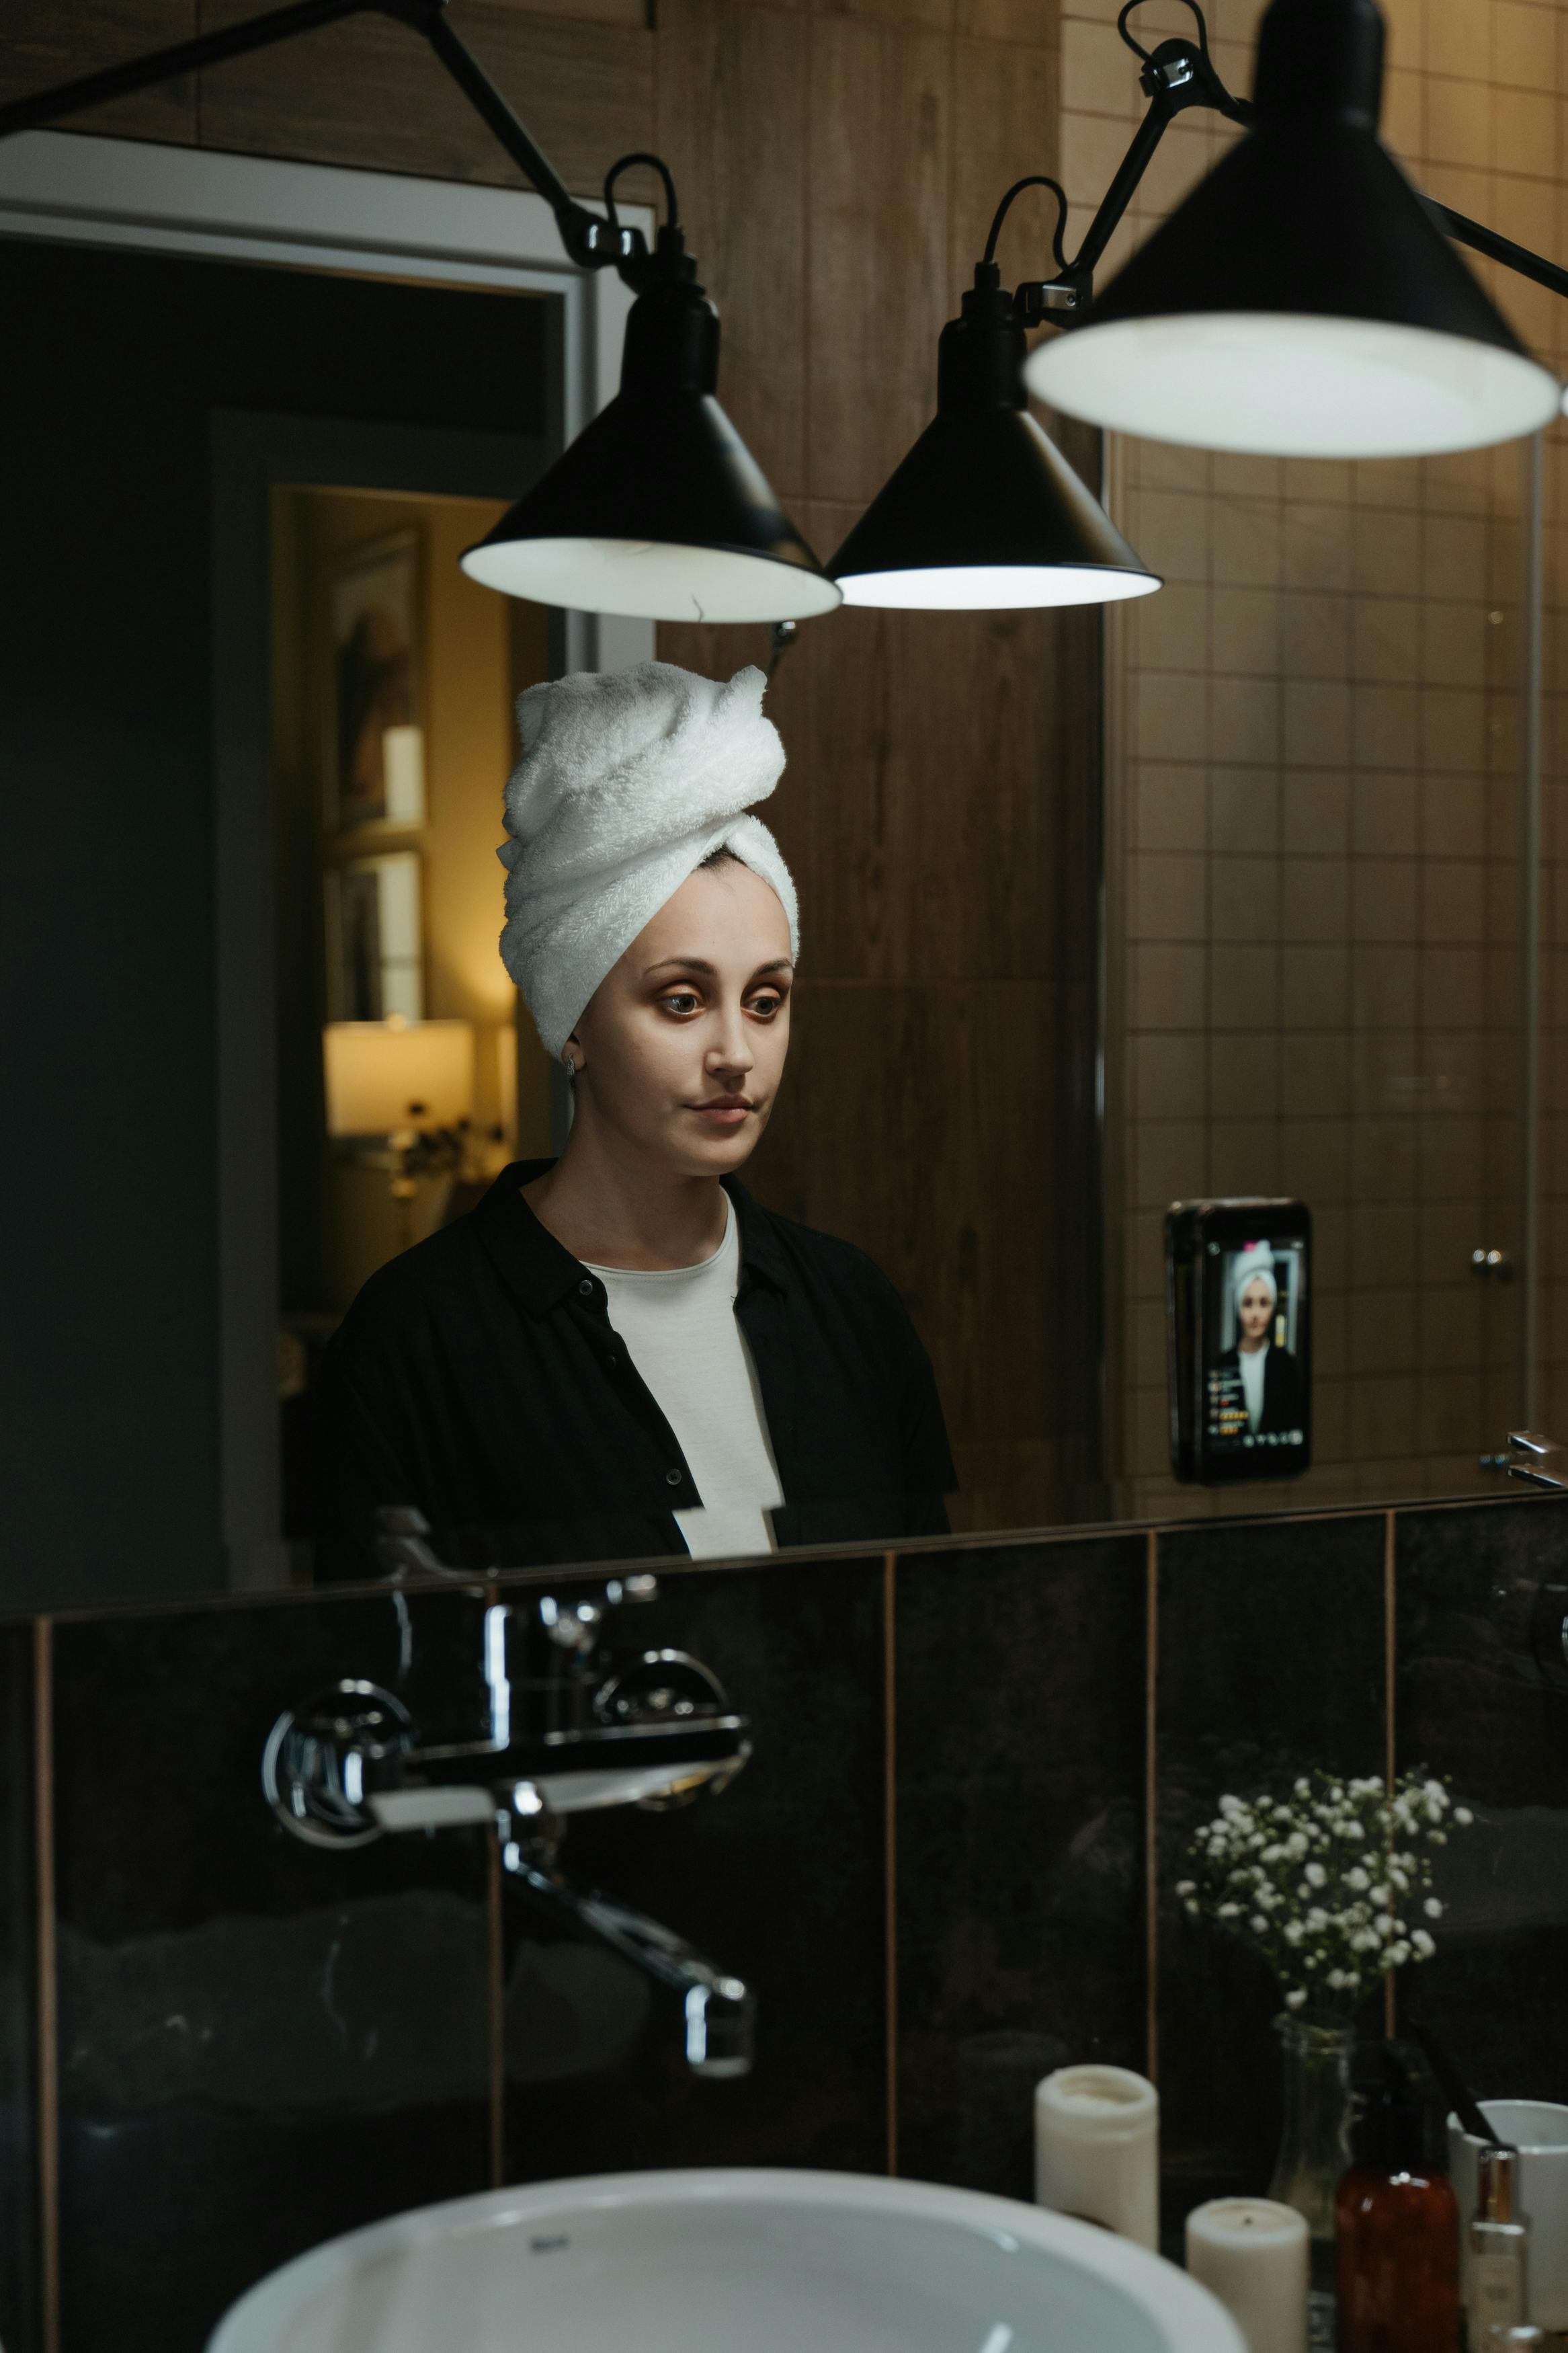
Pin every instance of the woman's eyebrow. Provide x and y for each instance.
(700, 964)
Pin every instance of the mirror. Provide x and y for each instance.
(1236, 893)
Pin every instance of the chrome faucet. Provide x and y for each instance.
(1539, 1461)
(720, 2010)
(597, 1729)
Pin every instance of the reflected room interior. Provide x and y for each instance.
(784, 1539)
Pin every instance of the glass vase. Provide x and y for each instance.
(1314, 2145)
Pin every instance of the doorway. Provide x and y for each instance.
(157, 401)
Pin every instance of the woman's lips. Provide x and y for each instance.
(722, 1115)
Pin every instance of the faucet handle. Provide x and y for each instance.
(575, 1625)
(323, 1759)
(721, 2028)
(1539, 1461)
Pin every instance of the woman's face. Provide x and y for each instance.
(682, 1046)
(1256, 1309)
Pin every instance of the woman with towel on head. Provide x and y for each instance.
(1269, 1375)
(620, 1352)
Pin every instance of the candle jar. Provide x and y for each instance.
(1314, 2145)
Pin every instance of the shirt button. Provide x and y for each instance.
(586, 1286)
(672, 1478)
(612, 1360)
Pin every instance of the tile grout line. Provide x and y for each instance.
(1389, 1628)
(890, 1853)
(1150, 1797)
(49, 2169)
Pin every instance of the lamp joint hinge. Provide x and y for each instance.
(1042, 298)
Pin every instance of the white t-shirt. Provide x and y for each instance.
(680, 1328)
(1252, 1363)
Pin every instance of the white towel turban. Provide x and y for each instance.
(628, 780)
(1255, 1264)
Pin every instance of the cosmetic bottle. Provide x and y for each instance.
(1396, 2231)
(1499, 2238)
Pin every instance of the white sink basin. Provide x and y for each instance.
(730, 2261)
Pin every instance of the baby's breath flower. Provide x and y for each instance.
(1313, 1881)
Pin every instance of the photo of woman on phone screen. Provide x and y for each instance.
(1258, 1361)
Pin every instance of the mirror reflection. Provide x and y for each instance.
(908, 1071)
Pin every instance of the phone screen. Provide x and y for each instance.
(1240, 1339)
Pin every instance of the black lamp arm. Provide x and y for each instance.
(1518, 257)
(590, 240)
(1175, 76)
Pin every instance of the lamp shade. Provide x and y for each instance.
(985, 512)
(385, 1075)
(659, 510)
(1303, 301)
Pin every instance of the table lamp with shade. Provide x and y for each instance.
(411, 1082)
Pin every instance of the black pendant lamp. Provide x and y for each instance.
(986, 511)
(658, 509)
(1302, 301)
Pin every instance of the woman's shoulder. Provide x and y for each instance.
(786, 1247)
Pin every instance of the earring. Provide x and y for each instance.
(567, 1064)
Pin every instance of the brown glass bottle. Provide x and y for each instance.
(1396, 2231)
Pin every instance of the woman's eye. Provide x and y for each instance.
(764, 1007)
(680, 1000)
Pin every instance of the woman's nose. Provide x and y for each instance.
(731, 1050)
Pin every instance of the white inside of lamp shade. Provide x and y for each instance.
(651, 580)
(1284, 385)
(979, 587)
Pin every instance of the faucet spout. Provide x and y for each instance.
(720, 2010)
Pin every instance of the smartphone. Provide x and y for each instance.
(1239, 1339)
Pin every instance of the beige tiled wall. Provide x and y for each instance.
(1313, 822)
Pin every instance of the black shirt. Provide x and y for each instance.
(478, 1378)
(1284, 1392)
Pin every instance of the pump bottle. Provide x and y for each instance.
(1396, 2229)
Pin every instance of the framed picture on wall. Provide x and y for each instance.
(375, 747)
(376, 958)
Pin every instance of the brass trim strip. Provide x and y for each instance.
(890, 1846)
(495, 1968)
(1151, 1805)
(1390, 1638)
(48, 2151)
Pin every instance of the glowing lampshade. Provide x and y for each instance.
(386, 1076)
(1302, 301)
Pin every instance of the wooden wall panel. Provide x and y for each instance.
(1004, 99)
(369, 94)
(731, 125)
(909, 1122)
(42, 42)
(881, 132)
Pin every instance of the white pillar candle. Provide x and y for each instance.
(1252, 2253)
(1097, 2149)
